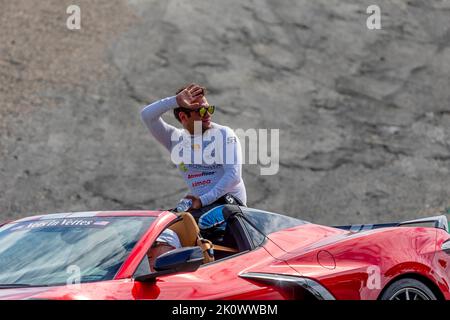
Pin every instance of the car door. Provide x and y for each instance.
(215, 280)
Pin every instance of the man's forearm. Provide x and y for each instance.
(151, 116)
(155, 110)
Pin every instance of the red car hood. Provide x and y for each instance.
(21, 293)
(104, 290)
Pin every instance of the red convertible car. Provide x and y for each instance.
(258, 255)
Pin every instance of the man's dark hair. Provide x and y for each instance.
(176, 111)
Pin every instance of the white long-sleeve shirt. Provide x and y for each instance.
(207, 181)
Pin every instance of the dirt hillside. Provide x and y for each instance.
(364, 115)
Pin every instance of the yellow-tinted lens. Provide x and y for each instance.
(202, 110)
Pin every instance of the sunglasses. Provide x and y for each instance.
(161, 243)
(202, 111)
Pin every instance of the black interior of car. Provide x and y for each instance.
(233, 237)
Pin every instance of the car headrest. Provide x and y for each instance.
(186, 229)
(230, 210)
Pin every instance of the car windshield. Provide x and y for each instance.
(67, 250)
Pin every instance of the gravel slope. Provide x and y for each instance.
(364, 116)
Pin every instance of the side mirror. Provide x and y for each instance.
(180, 260)
(185, 259)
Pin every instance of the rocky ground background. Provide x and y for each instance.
(364, 115)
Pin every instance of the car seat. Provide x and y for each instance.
(189, 233)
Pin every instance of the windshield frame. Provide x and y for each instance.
(135, 257)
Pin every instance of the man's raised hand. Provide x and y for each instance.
(189, 98)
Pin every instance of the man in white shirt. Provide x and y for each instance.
(207, 181)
